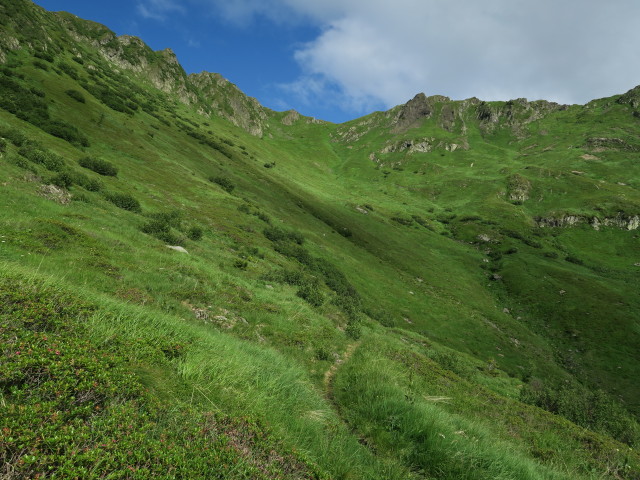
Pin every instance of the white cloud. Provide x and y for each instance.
(158, 9)
(373, 52)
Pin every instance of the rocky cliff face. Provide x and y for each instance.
(209, 93)
(228, 101)
(632, 97)
(513, 114)
(160, 68)
(627, 222)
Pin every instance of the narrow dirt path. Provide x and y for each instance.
(330, 374)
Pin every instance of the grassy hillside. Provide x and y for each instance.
(444, 290)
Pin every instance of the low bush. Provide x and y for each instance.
(195, 233)
(40, 65)
(99, 166)
(161, 225)
(241, 264)
(76, 95)
(46, 56)
(124, 201)
(277, 234)
(575, 260)
(594, 410)
(62, 180)
(407, 222)
(67, 132)
(35, 154)
(14, 135)
(226, 184)
(73, 408)
(69, 70)
(310, 292)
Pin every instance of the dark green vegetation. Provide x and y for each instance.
(444, 290)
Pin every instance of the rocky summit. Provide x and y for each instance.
(195, 286)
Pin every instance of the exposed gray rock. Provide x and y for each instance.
(291, 117)
(627, 222)
(228, 101)
(632, 97)
(601, 144)
(518, 188)
(55, 194)
(412, 113)
(423, 145)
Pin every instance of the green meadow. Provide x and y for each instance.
(449, 295)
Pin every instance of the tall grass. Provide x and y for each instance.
(397, 416)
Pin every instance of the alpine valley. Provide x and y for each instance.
(195, 286)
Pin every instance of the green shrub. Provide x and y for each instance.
(99, 166)
(3, 145)
(62, 180)
(572, 259)
(241, 264)
(76, 95)
(403, 220)
(43, 56)
(161, 225)
(69, 70)
(311, 294)
(49, 160)
(277, 234)
(594, 410)
(323, 354)
(353, 330)
(72, 406)
(226, 184)
(195, 233)
(288, 276)
(112, 99)
(91, 184)
(14, 135)
(124, 201)
(40, 65)
(264, 217)
(65, 131)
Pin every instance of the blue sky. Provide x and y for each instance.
(340, 59)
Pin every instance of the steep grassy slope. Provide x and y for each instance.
(444, 290)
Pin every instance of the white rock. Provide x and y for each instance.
(177, 248)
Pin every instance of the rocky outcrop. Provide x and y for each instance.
(415, 111)
(210, 93)
(602, 144)
(514, 114)
(7, 44)
(228, 101)
(560, 222)
(626, 222)
(518, 188)
(632, 97)
(423, 145)
(291, 117)
(127, 52)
